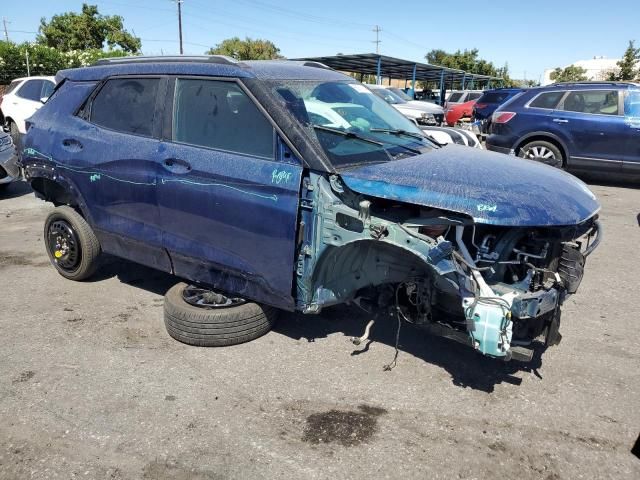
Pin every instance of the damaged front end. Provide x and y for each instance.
(497, 288)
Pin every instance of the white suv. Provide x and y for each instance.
(21, 100)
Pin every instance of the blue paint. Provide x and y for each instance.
(489, 187)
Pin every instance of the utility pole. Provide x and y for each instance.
(377, 41)
(6, 33)
(179, 2)
(26, 52)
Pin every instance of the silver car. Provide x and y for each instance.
(9, 170)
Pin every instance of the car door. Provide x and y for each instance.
(595, 128)
(228, 192)
(111, 152)
(631, 162)
(26, 101)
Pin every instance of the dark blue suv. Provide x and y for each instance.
(276, 185)
(488, 103)
(579, 126)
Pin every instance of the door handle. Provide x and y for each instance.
(72, 144)
(175, 165)
(560, 120)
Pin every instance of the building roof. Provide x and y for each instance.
(367, 64)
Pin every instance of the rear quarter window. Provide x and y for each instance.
(126, 105)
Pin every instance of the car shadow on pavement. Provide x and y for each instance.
(468, 369)
(14, 190)
(134, 274)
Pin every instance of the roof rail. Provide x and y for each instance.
(597, 82)
(219, 59)
(309, 63)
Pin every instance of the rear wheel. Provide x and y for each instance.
(541, 151)
(72, 246)
(15, 135)
(206, 318)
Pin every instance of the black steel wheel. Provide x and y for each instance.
(71, 245)
(207, 318)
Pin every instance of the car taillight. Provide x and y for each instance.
(502, 117)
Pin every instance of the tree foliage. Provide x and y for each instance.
(44, 60)
(85, 31)
(247, 49)
(629, 65)
(467, 60)
(570, 74)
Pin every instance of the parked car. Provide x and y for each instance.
(447, 135)
(584, 126)
(424, 113)
(23, 98)
(456, 97)
(9, 170)
(457, 112)
(215, 171)
(427, 96)
(488, 103)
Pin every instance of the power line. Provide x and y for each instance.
(377, 41)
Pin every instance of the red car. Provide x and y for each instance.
(457, 111)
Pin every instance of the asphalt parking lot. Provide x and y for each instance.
(91, 385)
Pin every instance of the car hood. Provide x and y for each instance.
(424, 106)
(490, 187)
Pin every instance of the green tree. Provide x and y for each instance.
(629, 65)
(467, 60)
(247, 49)
(86, 30)
(569, 74)
(44, 60)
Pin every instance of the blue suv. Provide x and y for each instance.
(277, 185)
(488, 103)
(584, 126)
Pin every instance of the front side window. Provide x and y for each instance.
(548, 100)
(455, 97)
(126, 105)
(31, 90)
(473, 96)
(603, 102)
(219, 114)
(351, 124)
(47, 89)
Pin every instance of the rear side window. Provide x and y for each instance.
(126, 105)
(632, 104)
(493, 97)
(12, 86)
(219, 114)
(602, 102)
(547, 100)
(31, 90)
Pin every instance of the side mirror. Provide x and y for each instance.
(44, 99)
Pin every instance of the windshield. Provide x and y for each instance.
(388, 96)
(401, 94)
(352, 125)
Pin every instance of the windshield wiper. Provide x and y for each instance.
(346, 134)
(397, 132)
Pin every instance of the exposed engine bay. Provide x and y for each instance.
(497, 289)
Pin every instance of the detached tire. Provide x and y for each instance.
(73, 248)
(214, 327)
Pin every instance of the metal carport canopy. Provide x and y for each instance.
(397, 68)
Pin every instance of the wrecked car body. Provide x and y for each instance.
(349, 204)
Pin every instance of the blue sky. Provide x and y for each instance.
(530, 36)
